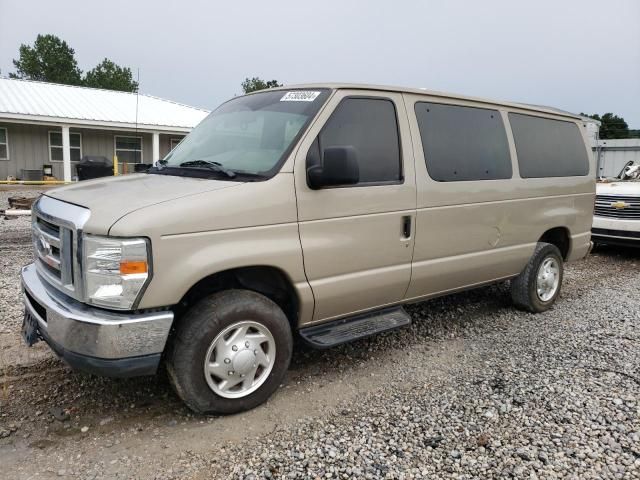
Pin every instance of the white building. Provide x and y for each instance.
(51, 124)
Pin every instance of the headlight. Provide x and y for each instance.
(115, 270)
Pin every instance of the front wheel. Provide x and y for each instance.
(538, 286)
(230, 352)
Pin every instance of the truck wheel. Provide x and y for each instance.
(538, 286)
(230, 352)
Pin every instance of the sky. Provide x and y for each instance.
(577, 55)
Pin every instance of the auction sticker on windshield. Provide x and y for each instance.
(300, 96)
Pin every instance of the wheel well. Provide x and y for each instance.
(268, 281)
(559, 237)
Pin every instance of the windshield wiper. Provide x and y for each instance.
(215, 166)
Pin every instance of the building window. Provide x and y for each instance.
(128, 149)
(174, 143)
(55, 146)
(4, 144)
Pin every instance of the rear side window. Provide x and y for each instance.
(369, 125)
(548, 148)
(463, 143)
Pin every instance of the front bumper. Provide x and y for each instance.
(615, 231)
(616, 237)
(95, 340)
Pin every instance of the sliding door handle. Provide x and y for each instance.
(406, 227)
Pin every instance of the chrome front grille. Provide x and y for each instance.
(56, 229)
(54, 250)
(618, 206)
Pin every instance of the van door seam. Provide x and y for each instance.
(415, 184)
(304, 266)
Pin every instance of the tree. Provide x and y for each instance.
(612, 126)
(111, 76)
(253, 84)
(49, 60)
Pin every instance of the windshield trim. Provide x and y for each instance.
(277, 166)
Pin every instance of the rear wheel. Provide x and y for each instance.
(230, 352)
(538, 286)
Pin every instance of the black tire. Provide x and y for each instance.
(197, 330)
(524, 287)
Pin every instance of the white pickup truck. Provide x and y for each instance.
(616, 218)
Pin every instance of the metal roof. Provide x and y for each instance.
(50, 102)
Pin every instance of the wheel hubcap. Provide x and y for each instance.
(240, 359)
(548, 279)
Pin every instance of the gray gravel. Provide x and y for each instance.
(473, 389)
(14, 253)
(553, 395)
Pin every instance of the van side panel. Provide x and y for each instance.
(468, 244)
(474, 232)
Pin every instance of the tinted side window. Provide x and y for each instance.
(370, 127)
(463, 143)
(548, 148)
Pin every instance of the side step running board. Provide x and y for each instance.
(345, 330)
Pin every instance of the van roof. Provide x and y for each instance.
(433, 93)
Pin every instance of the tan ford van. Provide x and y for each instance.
(315, 211)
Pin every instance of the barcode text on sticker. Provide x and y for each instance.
(299, 96)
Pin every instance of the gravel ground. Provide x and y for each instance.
(473, 389)
(530, 396)
(15, 252)
(14, 231)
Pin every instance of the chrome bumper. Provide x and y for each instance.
(77, 330)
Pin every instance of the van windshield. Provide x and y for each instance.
(246, 136)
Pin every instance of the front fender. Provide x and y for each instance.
(180, 261)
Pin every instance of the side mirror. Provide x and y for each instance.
(339, 166)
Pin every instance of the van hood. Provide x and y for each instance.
(626, 187)
(110, 199)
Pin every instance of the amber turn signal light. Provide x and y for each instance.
(129, 268)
